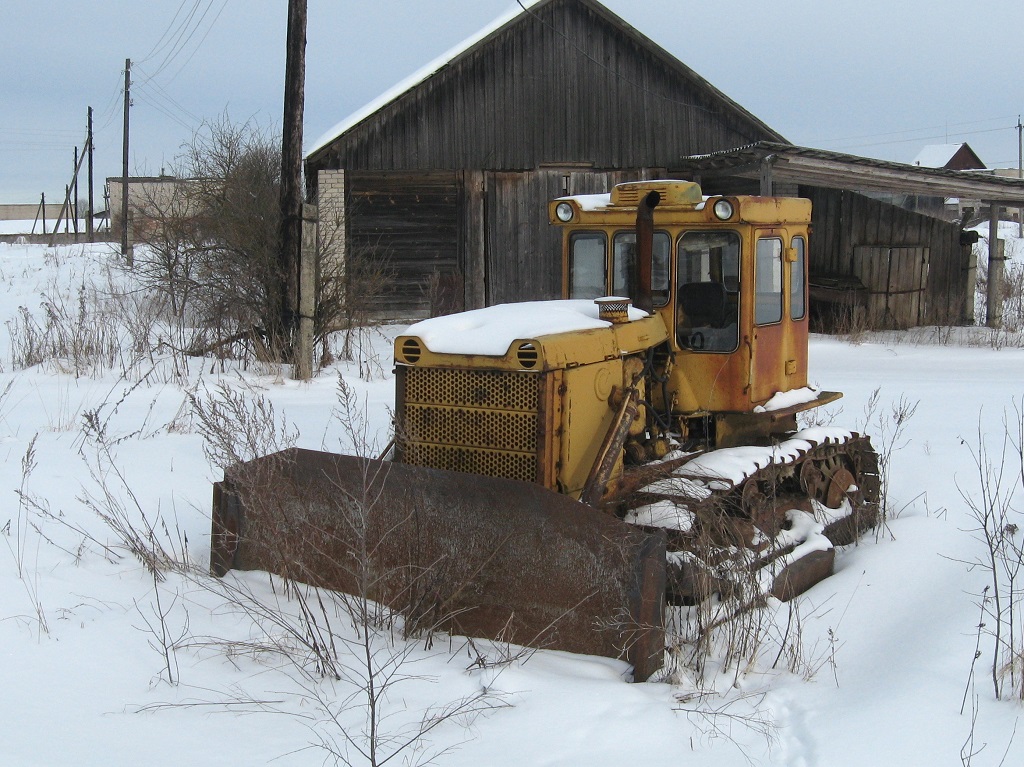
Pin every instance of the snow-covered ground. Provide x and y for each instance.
(29, 226)
(889, 642)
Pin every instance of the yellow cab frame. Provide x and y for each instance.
(728, 279)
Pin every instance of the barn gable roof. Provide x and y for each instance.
(447, 58)
(408, 95)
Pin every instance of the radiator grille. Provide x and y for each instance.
(489, 463)
(475, 388)
(471, 427)
(481, 422)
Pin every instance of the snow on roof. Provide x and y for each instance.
(936, 155)
(491, 331)
(418, 77)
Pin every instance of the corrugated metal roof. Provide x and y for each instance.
(819, 167)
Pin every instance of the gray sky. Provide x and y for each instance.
(879, 78)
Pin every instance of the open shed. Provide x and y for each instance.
(904, 268)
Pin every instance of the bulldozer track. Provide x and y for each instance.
(723, 529)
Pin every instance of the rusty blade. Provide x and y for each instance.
(473, 555)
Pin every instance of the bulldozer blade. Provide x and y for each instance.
(478, 556)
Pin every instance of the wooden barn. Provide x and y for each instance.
(451, 173)
(447, 176)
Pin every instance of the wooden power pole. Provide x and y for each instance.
(291, 171)
(90, 233)
(124, 163)
(1020, 172)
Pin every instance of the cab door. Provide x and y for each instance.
(768, 352)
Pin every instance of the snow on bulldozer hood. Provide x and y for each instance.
(491, 331)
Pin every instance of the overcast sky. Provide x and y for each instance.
(879, 78)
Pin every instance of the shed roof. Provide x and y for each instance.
(818, 167)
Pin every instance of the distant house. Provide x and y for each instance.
(150, 199)
(946, 157)
(949, 156)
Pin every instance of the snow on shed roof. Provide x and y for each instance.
(936, 155)
(418, 76)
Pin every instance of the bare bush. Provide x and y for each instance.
(888, 436)
(351, 648)
(76, 334)
(212, 250)
(994, 508)
(237, 427)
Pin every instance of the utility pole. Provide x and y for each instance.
(124, 163)
(74, 196)
(1020, 173)
(88, 221)
(291, 170)
(41, 210)
(994, 301)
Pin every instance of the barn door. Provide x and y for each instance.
(896, 278)
(523, 257)
(407, 225)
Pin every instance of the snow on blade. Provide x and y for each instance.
(491, 331)
(662, 513)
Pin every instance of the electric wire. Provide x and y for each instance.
(160, 44)
(160, 92)
(199, 45)
(187, 34)
(917, 130)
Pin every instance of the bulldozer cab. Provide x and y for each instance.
(728, 276)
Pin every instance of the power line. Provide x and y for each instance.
(919, 139)
(200, 43)
(187, 31)
(159, 92)
(159, 45)
(907, 131)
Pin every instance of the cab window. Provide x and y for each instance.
(587, 265)
(768, 281)
(797, 281)
(707, 301)
(624, 258)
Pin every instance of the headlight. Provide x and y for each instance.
(723, 210)
(564, 212)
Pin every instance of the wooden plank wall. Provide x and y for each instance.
(480, 238)
(844, 221)
(411, 224)
(524, 251)
(897, 280)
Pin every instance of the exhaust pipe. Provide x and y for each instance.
(645, 251)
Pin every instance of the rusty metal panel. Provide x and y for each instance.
(477, 556)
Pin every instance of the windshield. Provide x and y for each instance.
(708, 300)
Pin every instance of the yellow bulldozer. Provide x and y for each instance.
(563, 470)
